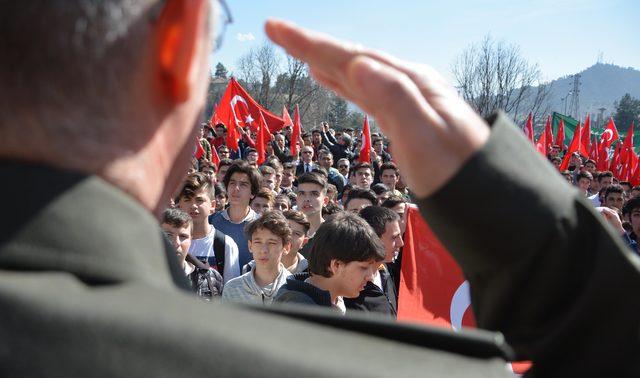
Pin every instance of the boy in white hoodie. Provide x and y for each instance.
(269, 239)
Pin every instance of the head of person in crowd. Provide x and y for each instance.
(193, 167)
(270, 237)
(268, 177)
(242, 182)
(556, 161)
(555, 151)
(223, 166)
(288, 175)
(378, 145)
(332, 193)
(280, 141)
(224, 152)
(282, 203)
(605, 179)
(287, 130)
(381, 191)
(345, 193)
(595, 183)
(398, 205)
(306, 139)
(197, 198)
(386, 224)
(316, 138)
(325, 160)
(590, 166)
(363, 175)
(208, 169)
(575, 161)
(300, 226)
(343, 167)
(583, 181)
(631, 213)
(251, 156)
(177, 226)
(321, 171)
(614, 197)
(626, 185)
(221, 130)
(568, 176)
(389, 175)
(330, 209)
(277, 166)
(348, 131)
(263, 201)
(221, 196)
(635, 192)
(344, 256)
(306, 154)
(358, 199)
(345, 140)
(312, 194)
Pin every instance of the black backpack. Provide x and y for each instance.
(218, 251)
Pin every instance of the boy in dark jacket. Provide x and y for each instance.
(344, 258)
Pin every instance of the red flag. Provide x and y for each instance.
(594, 151)
(549, 135)
(199, 151)
(609, 135)
(635, 178)
(575, 146)
(214, 117)
(263, 137)
(232, 134)
(236, 103)
(432, 288)
(295, 132)
(528, 128)
(215, 159)
(615, 160)
(627, 146)
(560, 135)
(286, 117)
(586, 133)
(365, 151)
(541, 145)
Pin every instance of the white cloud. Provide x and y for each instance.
(245, 37)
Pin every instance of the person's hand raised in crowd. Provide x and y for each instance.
(612, 218)
(433, 130)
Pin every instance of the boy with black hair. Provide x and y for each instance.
(242, 182)
(311, 198)
(263, 201)
(344, 257)
(363, 175)
(223, 166)
(209, 245)
(177, 226)
(614, 197)
(358, 199)
(583, 182)
(380, 295)
(269, 239)
(294, 261)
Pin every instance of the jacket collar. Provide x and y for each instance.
(58, 220)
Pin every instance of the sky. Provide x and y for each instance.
(561, 36)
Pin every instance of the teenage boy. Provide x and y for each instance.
(294, 261)
(390, 175)
(211, 246)
(358, 199)
(263, 201)
(312, 196)
(363, 175)
(242, 182)
(269, 239)
(177, 227)
(344, 257)
(380, 295)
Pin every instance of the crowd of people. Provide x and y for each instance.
(318, 228)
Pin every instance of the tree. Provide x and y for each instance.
(627, 110)
(337, 112)
(221, 71)
(493, 75)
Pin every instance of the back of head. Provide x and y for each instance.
(344, 237)
(360, 193)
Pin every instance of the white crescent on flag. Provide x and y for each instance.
(607, 135)
(233, 102)
(460, 302)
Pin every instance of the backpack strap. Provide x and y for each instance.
(218, 250)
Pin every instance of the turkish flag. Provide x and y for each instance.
(615, 160)
(586, 133)
(263, 137)
(215, 159)
(627, 146)
(365, 151)
(232, 134)
(528, 128)
(609, 135)
(575, 146)
(214, 117)
(541, 145)
(237, 103)
(199, 151)
(593, 152)
(548, 134)
(560, 135)
(295, 132)
(432, 288)
(286, 117)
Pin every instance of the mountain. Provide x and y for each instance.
(601, 85)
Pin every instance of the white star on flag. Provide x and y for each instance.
(248, 120)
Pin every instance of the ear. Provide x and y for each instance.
(250, 246)
(325, 202)
(334, 266)
(286, 248)
(181, 27)
(213, 205)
